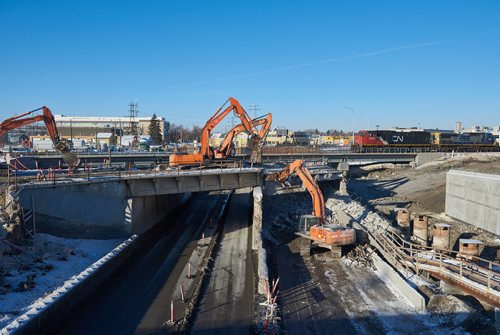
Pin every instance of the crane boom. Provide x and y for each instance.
(48, 119)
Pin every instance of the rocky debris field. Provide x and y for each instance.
(422, 190)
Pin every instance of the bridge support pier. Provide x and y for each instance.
(450, 289)
(343, 167)
(343, 184)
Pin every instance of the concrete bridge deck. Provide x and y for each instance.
(113, 206)
(119, 204)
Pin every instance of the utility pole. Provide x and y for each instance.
(352, 110)
(133, 112)
(254, 109)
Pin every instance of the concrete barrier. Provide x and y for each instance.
(45, 317)
(257, 218)
(413, 296)
(263, 272)
(386, 270)
(474, 198)
(262, 269)
(426, 157)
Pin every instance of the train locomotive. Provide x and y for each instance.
(418, 139)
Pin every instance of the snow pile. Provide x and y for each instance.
(43, 269)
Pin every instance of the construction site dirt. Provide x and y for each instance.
(422, 190)
(337, 296)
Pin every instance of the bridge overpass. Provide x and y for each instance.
(120, 205)
(149, 158)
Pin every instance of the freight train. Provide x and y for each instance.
(412, 139)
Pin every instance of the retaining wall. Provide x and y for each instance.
(413, 296)
(474, 198)
(426, 157)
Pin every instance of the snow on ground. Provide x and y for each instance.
(455, 157)
(371, 300)
(51, 261)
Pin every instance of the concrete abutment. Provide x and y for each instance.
(96, 211)
(474, 198)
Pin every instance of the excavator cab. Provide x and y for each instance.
(307, 221)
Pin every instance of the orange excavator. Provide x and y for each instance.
(205, 153)
(256, 139)
(313, 229)
(48, 118)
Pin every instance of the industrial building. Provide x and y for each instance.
(82, 126)
(95, 132)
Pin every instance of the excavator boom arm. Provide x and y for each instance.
(266, 126)
(220, 114)
(227, 143)
(48, 119)
(297, 167)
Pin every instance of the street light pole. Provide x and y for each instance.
(352, 110)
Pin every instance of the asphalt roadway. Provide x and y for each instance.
(227, 303)
(123, 306)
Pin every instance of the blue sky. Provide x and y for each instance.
(396, 63)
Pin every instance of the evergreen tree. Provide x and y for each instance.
(155, 131)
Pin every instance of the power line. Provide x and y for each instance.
(254, 109)
(133, 112)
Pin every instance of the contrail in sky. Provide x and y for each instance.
(320, 62)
